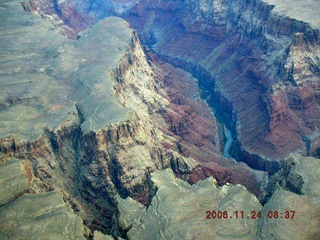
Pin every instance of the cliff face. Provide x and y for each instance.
(84, 123)
(63, 14)
(257, 60)
(253, 58)
(93, 117)
(78, 113)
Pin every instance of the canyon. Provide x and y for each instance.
(262, 70)
(131, 119)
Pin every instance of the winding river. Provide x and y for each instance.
(228, 143)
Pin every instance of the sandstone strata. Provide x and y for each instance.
(84, 123)
(84, 116)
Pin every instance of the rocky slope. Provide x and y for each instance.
(257, 60)
(260, 67)
(77, 112)
(93, 117)
(298, 193)
(50, 217)
(170, 216)
(291, 213)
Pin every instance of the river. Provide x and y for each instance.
(228, 143)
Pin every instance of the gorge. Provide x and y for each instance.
(107, 128)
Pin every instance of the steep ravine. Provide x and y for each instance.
(224, 112)
(243, 58)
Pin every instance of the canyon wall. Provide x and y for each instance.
(86, 121)
(260, 68)
(257, 65)
(78, 113)
(92, 117)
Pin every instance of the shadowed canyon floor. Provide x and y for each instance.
(102, 137)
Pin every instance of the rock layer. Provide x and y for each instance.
(80, 114)
(252, 58)
(178, 211)
(84, 123)
(287, 215)
(91, 116)
(13, 183)
(49, 217)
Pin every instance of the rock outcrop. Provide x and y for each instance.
(296, 201)
(78, 112)
(63, 14)
(287, 215)
(50, 217)
(180, 211)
